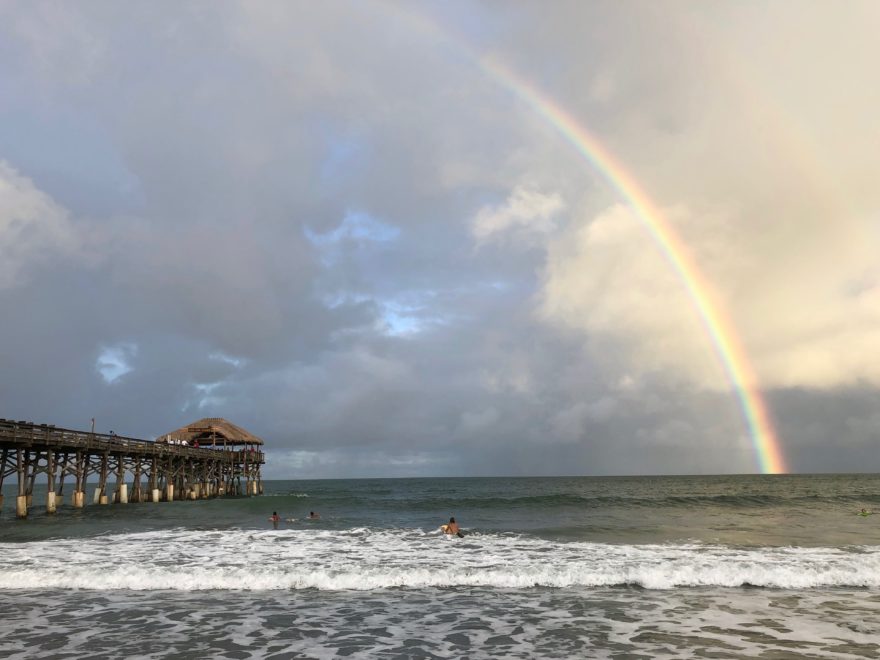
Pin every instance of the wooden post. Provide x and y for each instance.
(136, 482)
(30, 470)
(79, 496)
(3, 457)
(21, 510)
(51, 459)
(247, 474)
(62, 472)
(154, 479)
(102, 486)
(121, 487)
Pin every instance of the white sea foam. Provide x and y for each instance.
(362, 559)
(448, 623)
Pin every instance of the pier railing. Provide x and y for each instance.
(28, 434)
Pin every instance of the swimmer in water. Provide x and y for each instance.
(452, 528)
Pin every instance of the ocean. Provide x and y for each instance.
(567, 567)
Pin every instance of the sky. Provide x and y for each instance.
(358, 230)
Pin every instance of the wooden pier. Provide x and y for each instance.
(128, 469)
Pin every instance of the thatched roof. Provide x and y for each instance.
(212, 431)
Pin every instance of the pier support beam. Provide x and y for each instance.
(155, 493)
(136, 494)
(169, 493)
(4, 457)
(21, 501)
(51, 464)
(79, 488)
(123, 493)
(102, 487)
(120, 483)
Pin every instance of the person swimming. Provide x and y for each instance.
(314, 516)
(452, 528)
(864, 512)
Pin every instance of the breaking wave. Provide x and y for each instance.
(364, 559)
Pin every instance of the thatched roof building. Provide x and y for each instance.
(211, 432)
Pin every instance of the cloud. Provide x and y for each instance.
(60, 42)
(524, 214)
(607, 278)
(34, 230)
(807, 324)
(395, 265)
(746, 152)
(114, 361)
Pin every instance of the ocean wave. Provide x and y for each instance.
(363, 559)
(596, 501)
(673, 501)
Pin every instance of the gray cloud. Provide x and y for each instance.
(332, 226)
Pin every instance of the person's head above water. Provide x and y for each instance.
(452, 520)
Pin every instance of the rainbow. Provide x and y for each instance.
(720, 330)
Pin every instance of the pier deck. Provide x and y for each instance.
(159, 471)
